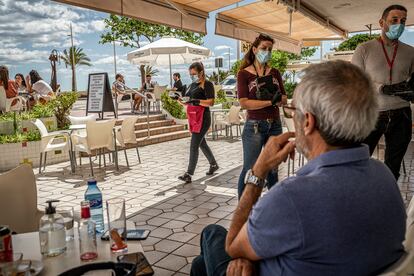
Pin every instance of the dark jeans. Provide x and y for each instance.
(396, 126)
(254, 137)
(213, 259)
(198, 140)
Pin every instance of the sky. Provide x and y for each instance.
(31, 29)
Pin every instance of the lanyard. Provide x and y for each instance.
(389, 62)
(257, 73)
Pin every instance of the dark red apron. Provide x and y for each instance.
(195, 118)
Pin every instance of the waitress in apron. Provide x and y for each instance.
(200, 97)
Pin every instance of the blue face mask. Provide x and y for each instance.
(195, 78)
(263, 56)
(395, 31)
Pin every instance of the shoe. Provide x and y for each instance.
(186, 178)
(212, 169)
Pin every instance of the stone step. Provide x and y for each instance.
(164, 137)
(143, 118)
(154, 124)
(159, 130)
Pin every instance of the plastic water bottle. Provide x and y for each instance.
(94, 196)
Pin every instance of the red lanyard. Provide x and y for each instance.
(390, 62)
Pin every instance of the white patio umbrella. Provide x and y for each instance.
(168, 51)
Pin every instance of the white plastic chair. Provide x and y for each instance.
(99, 135)
(403, 267)
(154, 97)
(51, 141)
(126, 135)
(6, 104)
(230, 119)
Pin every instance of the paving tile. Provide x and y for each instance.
(194, 228)
(187, 218)
(182, 236)
(154, 256)
(167, 246)
(218, 214)
(225, 223)
(199, 211)
(186, 269)
(162, 272)
(170, 215)
(161, 232)
(172, 262)
(188, 250)
(173, 224)
(157, 221)
(206, 221)
(182, 208)
(150, 241)
(195, 240)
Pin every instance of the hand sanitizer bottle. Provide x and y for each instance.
(52, 232)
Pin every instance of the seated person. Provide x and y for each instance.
(22, 87)
(178, 85)
(38, 88)
(148, 85)
(120, 89)
(10, 86)
(342, 214)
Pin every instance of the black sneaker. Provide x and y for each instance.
(186, 178)
(212, 169)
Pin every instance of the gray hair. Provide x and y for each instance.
(342, 98)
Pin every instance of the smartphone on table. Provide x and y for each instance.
(132, 235)
(143, 266)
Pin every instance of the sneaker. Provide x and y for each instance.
(212, 169)
(186, 178)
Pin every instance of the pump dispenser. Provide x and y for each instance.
(52, 232)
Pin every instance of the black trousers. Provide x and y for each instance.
(396, 126)
(198, 140)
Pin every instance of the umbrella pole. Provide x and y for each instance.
(169, 59)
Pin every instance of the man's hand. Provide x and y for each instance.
(240, 267)
(276, 151)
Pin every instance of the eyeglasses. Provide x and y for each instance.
(288, 111)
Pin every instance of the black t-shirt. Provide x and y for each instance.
(179, 85)
(196, 92)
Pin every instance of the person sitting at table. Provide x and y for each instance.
(148, 85)
(10, 86)
(342, 214)
(178, 85)
(38, 88)
(120, 89)
(21, 83)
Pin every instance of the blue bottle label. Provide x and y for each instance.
(95, 203)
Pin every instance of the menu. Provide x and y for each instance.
(96, 92)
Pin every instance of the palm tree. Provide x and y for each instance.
(149, 70)
(79, 58)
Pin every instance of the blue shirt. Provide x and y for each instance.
(342, 214)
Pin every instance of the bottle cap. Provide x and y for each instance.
(92, 181)
(50, 209)
(85, 209)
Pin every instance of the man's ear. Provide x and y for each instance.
(381, 22)
(309, 123)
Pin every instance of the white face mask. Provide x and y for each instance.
(195, 78)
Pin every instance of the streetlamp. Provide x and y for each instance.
(73, 60)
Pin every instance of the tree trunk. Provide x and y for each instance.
(73, 79)
(142, 70)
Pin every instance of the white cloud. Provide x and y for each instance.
(110, 60)
(12, 55)
(221, 47)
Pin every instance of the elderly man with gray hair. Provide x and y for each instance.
(342, 214)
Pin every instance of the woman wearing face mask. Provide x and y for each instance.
(263, 118)
(200, 97)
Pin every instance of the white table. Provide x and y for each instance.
(29, 245)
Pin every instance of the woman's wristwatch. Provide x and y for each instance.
(254, 180)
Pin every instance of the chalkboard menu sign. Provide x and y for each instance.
(99, 94)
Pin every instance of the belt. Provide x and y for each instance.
(269, 121)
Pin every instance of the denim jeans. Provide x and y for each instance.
(254, 137)
(198, 140)
(213, 259)
(396, 126)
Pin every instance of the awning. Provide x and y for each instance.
(189, 15)
(354, 15)
(289, 30)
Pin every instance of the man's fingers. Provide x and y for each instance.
(247, 270)
(287, 150)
